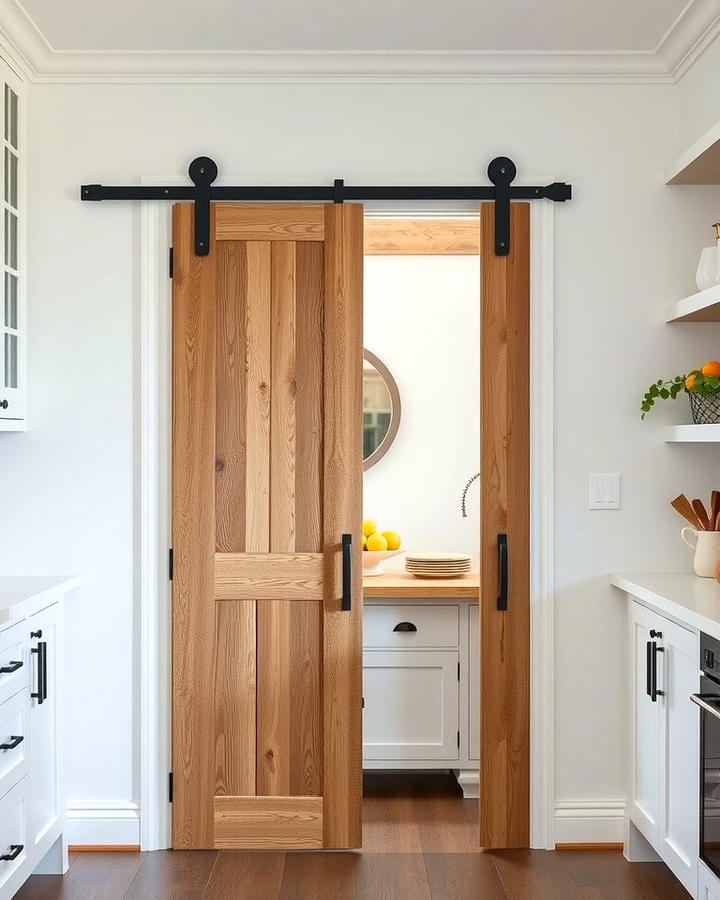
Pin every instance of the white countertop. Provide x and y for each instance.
(682, 595)
(16, 589)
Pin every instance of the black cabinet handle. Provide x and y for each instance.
(648, 668)
(655, 634)
(15, 851)
(502, 546)
(346, 572)
(15, 739)
(12, 666)
(405, 626)
(4, 404)
(654, 692)
(41, 694)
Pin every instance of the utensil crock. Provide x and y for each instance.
(707, 550)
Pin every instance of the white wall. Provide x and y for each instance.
(697, 97)
(422, 318)
(625, 246)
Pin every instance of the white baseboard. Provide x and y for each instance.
(589, 821)
(104, 822)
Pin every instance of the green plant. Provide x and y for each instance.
(692, 383)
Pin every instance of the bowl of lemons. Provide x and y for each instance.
(378, 547)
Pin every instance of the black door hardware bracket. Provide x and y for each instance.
(203, 171)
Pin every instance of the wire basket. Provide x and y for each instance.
(705, 410)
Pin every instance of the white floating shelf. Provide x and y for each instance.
(701, 307)
(700, 164)
(692, 434)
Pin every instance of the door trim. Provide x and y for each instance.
(152, 509)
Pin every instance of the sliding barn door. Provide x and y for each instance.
(505, 534)
(267, 478)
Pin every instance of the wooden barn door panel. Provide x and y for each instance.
(505, 486)
(267, 477)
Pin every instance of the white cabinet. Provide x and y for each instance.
(664, 739)
(411, 704)
(12, 246)
(420, 684)
(31, 805)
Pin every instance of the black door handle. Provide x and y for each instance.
(654, 692)
(502, 546)
(41, 694)
(346, 572)
(15, 851)
(648, 668)
(405, 626)
(15, 739)
(12, 666)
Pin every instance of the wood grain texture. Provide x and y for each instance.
(505, 467)
(289, 711)
(268, 576)
(282, 407)
(258, 366)
(269, 222)
(422, 237)
(173, 875)
(342, 513)
(309, 396)
(231, 398)
(280, 823)
(193, 526)
(245, 876)
(402, 584)
(235, 697)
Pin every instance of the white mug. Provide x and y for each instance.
(707, 550)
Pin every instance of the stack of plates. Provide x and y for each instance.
(437, 565)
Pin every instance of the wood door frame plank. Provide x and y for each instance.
(422, 237)
(505, 466)
(278, 823)
(193, 527)
(270, 222)
(342, 513)
(268, 576)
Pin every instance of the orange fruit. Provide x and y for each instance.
(711, 369)
(690, 381)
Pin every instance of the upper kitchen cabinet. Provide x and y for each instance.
(12, 222)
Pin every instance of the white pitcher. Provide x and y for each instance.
(707, 550)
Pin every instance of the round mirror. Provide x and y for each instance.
(381, 409)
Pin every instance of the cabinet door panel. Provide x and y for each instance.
(411, 705)
(644, 801)
(678, 677)
(474, 688)
(44, 758)
(13, 661)
(13, 726)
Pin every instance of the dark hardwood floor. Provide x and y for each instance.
(419, 843)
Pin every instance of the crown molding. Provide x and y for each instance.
(687, 38)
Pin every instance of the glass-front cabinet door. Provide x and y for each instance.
(12, 311)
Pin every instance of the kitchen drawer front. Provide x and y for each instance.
(14, 725)
(13, 660)
(420, 626)
(411, 705)
(13, 833)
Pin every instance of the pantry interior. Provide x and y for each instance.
(420, 668)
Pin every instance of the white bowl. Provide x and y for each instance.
(373, 560)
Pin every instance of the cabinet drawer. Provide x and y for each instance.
(13, 837)
(13, 660)
(14, 739)
(420, 626)
(411, 705)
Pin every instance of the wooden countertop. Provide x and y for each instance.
(402, 584)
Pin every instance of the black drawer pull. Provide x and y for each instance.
(15, 851)
(405, 626)
(12, 666)
(41, 694)
(15, 739)
(345, 606)
(502, 548)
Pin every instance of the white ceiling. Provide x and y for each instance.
(626, 40)
(343, 25)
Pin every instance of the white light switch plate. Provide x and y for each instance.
(604, 490)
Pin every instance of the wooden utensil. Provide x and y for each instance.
(682, 505)
(714, 510)
(702, 515)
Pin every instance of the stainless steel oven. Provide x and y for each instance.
(709, 702)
